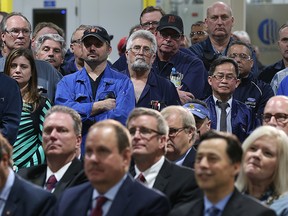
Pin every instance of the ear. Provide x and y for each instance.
(163, 141)
(237, 83)
(232, 21)
(72, 48)
(78, 141)
(236, 167)
(210, 80)
(126, 155)
(109, 50)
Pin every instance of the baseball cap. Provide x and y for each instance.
(98, 32)
(198, 110)
(171, 21)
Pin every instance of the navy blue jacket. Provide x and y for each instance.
(254, 93)
(205, 51)
(132, 198)
(192, 68)
(241, 118)
(269, 71)
(10, 107)
(157, 89)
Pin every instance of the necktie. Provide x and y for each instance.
(51, 183)
(213, 211)
(223, 116)
(97, 211)
(141, 178)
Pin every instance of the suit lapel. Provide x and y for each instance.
(233, 205)
(13, 198)
(123, 198)
(74, 168)
(162, 178)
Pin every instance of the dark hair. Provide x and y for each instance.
(233, 149)
(198, 23)
(222, 60)
(31, 95)
(282, 27)
(5, 18)
(238, 42)
(150, 9)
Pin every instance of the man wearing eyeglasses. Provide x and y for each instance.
(151, 90)
(96, 92)
(276, 112)
(181, 136)
(227, 113)
(16, 30)
(169, 35)
(149, 132)
(253, 92)
(198, 32)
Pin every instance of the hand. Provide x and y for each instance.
(185, 97)
(102, 106)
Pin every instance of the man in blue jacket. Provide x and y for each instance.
(96, 92)
(223, 81)
(254, 93)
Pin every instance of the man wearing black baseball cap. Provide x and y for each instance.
(97, 91)
(169, 36)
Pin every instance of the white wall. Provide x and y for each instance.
(116, 16)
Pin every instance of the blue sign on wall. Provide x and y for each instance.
(49, 3)
(268, 31)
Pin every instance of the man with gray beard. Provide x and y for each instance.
(151, 90)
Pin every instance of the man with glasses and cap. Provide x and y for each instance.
(149, 132)
(96, 92)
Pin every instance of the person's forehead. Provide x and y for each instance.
(277, 104)
(198, 28)
(59, 118)
(226, 67)
(151, 16)
(46, 30)
(141, 41)
(143, 120)
(213, 146)
(283, 32)
(219, 9)
(239, 49)
(16, 21)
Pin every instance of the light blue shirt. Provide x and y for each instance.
(220, 205)
(110, 195)
(4, 193)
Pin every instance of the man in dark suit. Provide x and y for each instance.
(218, 161)
(10, 108)
(149, 132)
(110, 190)
(181, 136)
(19, 197)
(61, 143)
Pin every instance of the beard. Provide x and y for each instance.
(139, 65)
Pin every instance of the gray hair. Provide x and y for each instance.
(144, 34)
(54, 37)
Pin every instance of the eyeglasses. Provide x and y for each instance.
(197, 33)
(241, 56)
(166, 35)
(78, 41)
(14, 32)
(173, 132)
(143, 131)
(220, 77)
(148, 24)
(280, 117)
(145, 49)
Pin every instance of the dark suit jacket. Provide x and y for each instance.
(73, 176)
(132, 199)
(189, 160)
(10, 107)
(238, 205)
(177, 183)
(26, 199)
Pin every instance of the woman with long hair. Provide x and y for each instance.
(27, 150)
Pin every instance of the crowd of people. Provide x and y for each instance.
(167, 129)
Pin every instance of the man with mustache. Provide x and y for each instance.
(217, 164)
(51, 48)
(227, 113)
(151, 90)
(97, 92)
